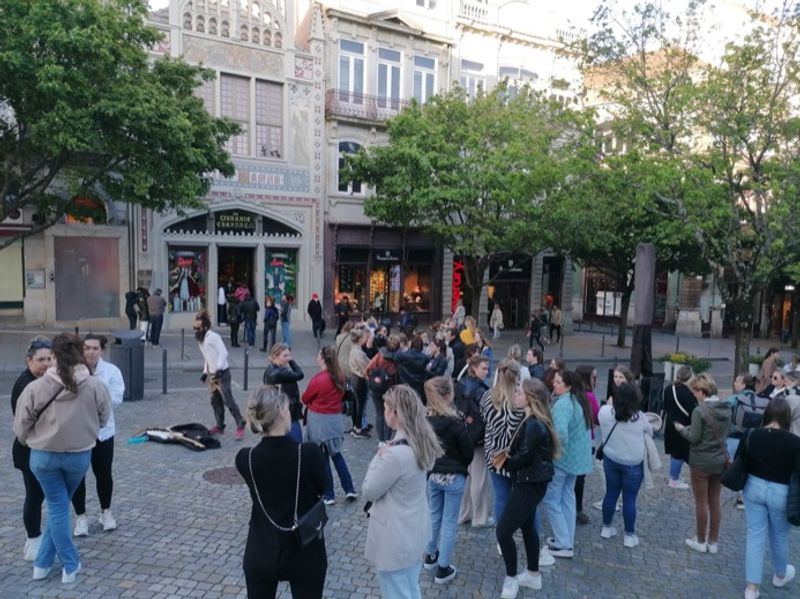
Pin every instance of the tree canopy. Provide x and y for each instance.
(472, 173)
(84, 112)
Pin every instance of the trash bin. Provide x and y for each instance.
(127, 354)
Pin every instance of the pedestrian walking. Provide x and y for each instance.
(534, 332)
(323, 397)
(315, 313)
(286, 319)
(156, 304)
(38, 358)
(103, 450)
(556, 320)
(496, 321)
(342, 313)
(447, 479)
(459, 314)
(286, 479)
(271, 317)
(284, 372)
(233, 320)
(58, 416)
(248, 309)
(708, 455)
(217, 372)
(529, 460)
(394, 487)
(132, 308)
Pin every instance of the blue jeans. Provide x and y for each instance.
(250, 332)
(286, 334)
(765, 510)
(59, 474)
(444, 502)
(559, 503)
(341, 470)
(401, 584)
(628, 481)
(502, 491)
(675, 468)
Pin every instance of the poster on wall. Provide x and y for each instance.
(187, 279)
(86, 277)
(281, 273)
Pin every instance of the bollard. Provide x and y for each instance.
(164, 371)
(677, 344)
(246, 366)
(183, 343)
(603, 347)
(561, 345)
(77, 332)
(616, 361)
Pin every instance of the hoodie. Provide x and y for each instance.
(71, 422)
(707, 446)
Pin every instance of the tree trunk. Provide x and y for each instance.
(743, 335)
(473, 284)
(623, 317)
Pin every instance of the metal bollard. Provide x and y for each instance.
(561, 345)
(77, 332)
(603, 347)
(677, 344)
(246, 366)
(164, 371)
(183, 343)
(616, 361)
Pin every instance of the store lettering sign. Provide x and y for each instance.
(239, 222)
(387, 256)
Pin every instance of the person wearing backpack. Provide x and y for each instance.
(747, 412)
(382, 376)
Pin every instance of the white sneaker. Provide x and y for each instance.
(779, 582)
(608, 532)
(677, 484)
(630, 540)
(329, 501)
(499, 550)
(545, 559)
(750, 594)
(40, 573)
(598, 505)
(32, 548)
(530, 580)
(694, 544)
(510, 588)
(712, 548)
(107, 520)
(81, 526)
(69, 578)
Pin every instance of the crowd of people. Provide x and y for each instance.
(461, 440)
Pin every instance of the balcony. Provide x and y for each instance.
(343, 103)
(474, 11)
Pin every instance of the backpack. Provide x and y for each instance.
(748, 411)
(380, 380)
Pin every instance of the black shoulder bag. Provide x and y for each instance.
(311, 525)
(598, 454)
(735, 477)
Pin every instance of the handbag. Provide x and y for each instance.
(307, 528)
(499, 459)
(793, 500)
(598, 454)
(735, 477)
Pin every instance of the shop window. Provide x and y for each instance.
(281, 273)
(187, 278)
(347, 147)
(417, 284)
(205, 91)
(87, 277)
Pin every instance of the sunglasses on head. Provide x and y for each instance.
(43, 344)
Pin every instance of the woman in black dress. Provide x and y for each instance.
(678, 403)
(38, 358)
(270, 470)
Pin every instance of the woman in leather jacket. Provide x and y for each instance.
(284, 372)
(529, 459)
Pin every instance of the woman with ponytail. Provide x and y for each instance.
(280, 494)
(58, 416)
(324, 396)
(394, 487)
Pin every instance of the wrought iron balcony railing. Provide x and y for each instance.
(345, 103)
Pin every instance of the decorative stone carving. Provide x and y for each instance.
(224, 55)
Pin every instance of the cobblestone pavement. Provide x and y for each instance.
(181, 535)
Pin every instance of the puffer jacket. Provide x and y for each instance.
(529, 458)
(287, 377)
(457, 445)
(707, 447)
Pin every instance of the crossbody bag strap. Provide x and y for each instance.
(258, 495)
(47, 405)
(716, 435)
(677, 403)
(611, 432)
(516, 432)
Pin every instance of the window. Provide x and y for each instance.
(347, 147)
(472, 79)
(235, 104)
(424, 78)
(429, 4)
(389, 78)
(205, 91)
(351, 71)
(269, 119)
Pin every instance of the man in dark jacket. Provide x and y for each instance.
(342, 313)
(248, 310)
(411, 366)
(315, 313)
(271, 316)
(459, 351)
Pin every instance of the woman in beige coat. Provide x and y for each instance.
(395, 491)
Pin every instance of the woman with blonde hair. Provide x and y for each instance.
(708, 453)
(282, 370)
(286, 479)
(468, 334)
(529, 460)
(394, 488)
(447, 478)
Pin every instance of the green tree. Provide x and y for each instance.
(83, 111)
(725, 136)
(472, 173)
(608, 210)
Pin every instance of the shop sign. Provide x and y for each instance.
(387, 256)
(458, 273)
(234, 221)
